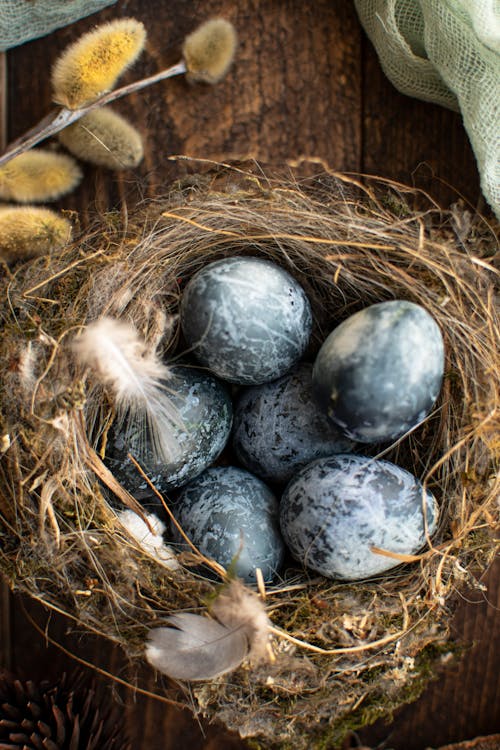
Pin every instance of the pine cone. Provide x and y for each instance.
(55, 716)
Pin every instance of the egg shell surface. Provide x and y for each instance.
(204, 410)
(379, 373)
(232, 517)
(247, 319)
(278, 427)
(336, 509)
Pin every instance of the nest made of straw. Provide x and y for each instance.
(348, 652)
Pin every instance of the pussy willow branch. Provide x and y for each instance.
(59, 119)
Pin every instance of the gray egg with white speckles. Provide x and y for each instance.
(246, 319)
(379, 373)
(204, 412)
(336, 509)
(278, 427)
(232, 517)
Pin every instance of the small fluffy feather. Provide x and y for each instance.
(27, 366)
(198, 648)
(195, 648)
(91, 66)
(209, 50)
(28, 231)
(105, 138)
(38, 176)
(121, 360)
(239, 607)
(151, 542)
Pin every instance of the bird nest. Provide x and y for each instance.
(340, 654)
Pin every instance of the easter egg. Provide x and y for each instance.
(336, 509)
(278, 427)
(246, 319)
(379, 372)
(202, 428)
(232, 517)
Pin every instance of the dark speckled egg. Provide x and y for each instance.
(336, 509)
(379, 372)
(247, 319)
(278, 427)
(232, 517)
(205, 416)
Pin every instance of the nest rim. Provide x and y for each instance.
(394, 234)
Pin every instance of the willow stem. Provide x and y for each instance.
(59, 119)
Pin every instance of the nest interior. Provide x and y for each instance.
(347, 653)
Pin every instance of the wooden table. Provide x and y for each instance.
(306, 83)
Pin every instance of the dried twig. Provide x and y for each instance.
(59, 119)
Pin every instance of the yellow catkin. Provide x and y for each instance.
(38, 176)
(91, 65)
(27, 231)
(105, 138)
(209, 51)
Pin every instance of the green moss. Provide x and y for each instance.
(376, 705)
(396, 204)
(380, 705)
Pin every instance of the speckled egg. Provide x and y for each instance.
(247, 319)
(379, 372)
(232, 517)
(336, 509)
(278, 427)
(205, 417)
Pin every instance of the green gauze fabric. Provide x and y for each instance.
(448, 52)
(22, 20)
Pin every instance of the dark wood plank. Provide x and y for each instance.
(413, 141)
(5, 625)
(266, 108)
(304, 84)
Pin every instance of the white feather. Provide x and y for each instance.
(121, 360)
(27, 364)
(239, 607)
(150, 541)
(198, 648)
(195, 648)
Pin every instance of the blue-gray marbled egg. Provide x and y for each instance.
(247, 319)
(232, 517)
(379, 373)
(335, 509)
(205, 416)
(278, 427)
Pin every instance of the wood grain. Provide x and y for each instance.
(266, 108)
(415, 142)
(306, 83)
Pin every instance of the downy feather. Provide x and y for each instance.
(198, 648)
(121, 360)
(195, 648)
(239, 607)
(151, 541)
